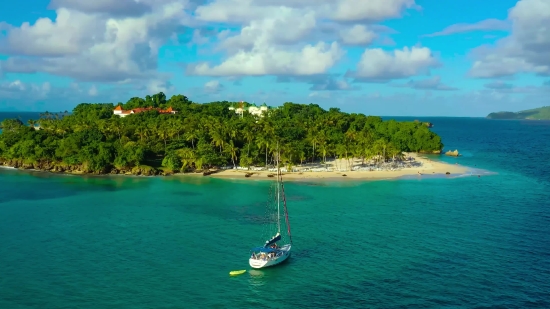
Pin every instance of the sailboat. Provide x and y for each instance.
(271, 253)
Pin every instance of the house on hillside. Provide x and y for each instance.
(123, 113)
(251, 108)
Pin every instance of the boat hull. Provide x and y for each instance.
(263, 263)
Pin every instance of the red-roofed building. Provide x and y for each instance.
(123, 113)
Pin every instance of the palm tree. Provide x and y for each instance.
(217, 137)
(232, 150)
(32, 123)
(313, 139)
(187, 157)
(262, 141)
(141, 131)
(163, 133)
(249, 137)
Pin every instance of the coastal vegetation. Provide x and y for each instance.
(541, 113)
(92, 139)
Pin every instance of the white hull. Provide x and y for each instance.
(263, 263)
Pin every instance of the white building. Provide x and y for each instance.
(252, 109)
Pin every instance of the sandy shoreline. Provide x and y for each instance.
(420, 167)
(423, 167)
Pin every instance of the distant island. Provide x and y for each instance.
(541, 113)
(155, 135)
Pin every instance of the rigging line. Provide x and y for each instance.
(286, 211)
(278, 194)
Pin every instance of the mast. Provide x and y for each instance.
(286, 210)
(278, 193)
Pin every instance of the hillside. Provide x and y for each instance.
(541, 113)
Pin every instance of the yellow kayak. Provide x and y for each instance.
(237, 272)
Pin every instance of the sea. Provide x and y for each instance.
(477, 240)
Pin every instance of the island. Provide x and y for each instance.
(159, 136)
(541, 113)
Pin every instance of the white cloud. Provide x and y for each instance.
(433, 83)
(286, 27)
(484, 25)
(19, 95)
(213, 86)
(267, 60)
(379, 65)
(159, 85)
(93, 91)
(330, 84)
(526, 49)
(94, 47)
(502, 87)
(117, 8)
(16, 90)
(357, 35)
(357, 10)
(243, 11)
(289, 37)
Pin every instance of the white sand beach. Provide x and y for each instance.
(418, 165)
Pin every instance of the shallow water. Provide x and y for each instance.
(132, 242)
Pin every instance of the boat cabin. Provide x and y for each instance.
(263, 253)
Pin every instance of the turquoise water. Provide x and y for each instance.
(133, 242)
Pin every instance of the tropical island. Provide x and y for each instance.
(159, 136)
(541, 113)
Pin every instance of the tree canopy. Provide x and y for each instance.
(205, 135)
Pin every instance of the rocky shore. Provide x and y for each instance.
(60, 167)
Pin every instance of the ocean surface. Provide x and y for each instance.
(135, 242)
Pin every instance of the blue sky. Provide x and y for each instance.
(380, 57)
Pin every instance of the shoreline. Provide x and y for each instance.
(418, 167)
(423, 167)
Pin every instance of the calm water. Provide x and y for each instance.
(116, 242)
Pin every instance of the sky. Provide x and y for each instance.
(378, 57)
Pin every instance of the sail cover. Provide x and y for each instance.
(273, 240)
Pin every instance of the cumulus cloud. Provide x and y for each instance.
(379, 65)
(373, 10)
(484, 25)
(266, 60)
(502, 87)
(94, 47)
(357, 35)
(16, 94)
(243, 11)
(291, 37)
(112, 8)
(498, 85)
(433, 83)
(526, 49)
(332, 85)
(93, 91)
(287, 27)
(213, 86)
(19, 95)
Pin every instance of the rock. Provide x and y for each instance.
(452, 153)
(448, 173)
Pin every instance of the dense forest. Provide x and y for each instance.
(92, 139)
